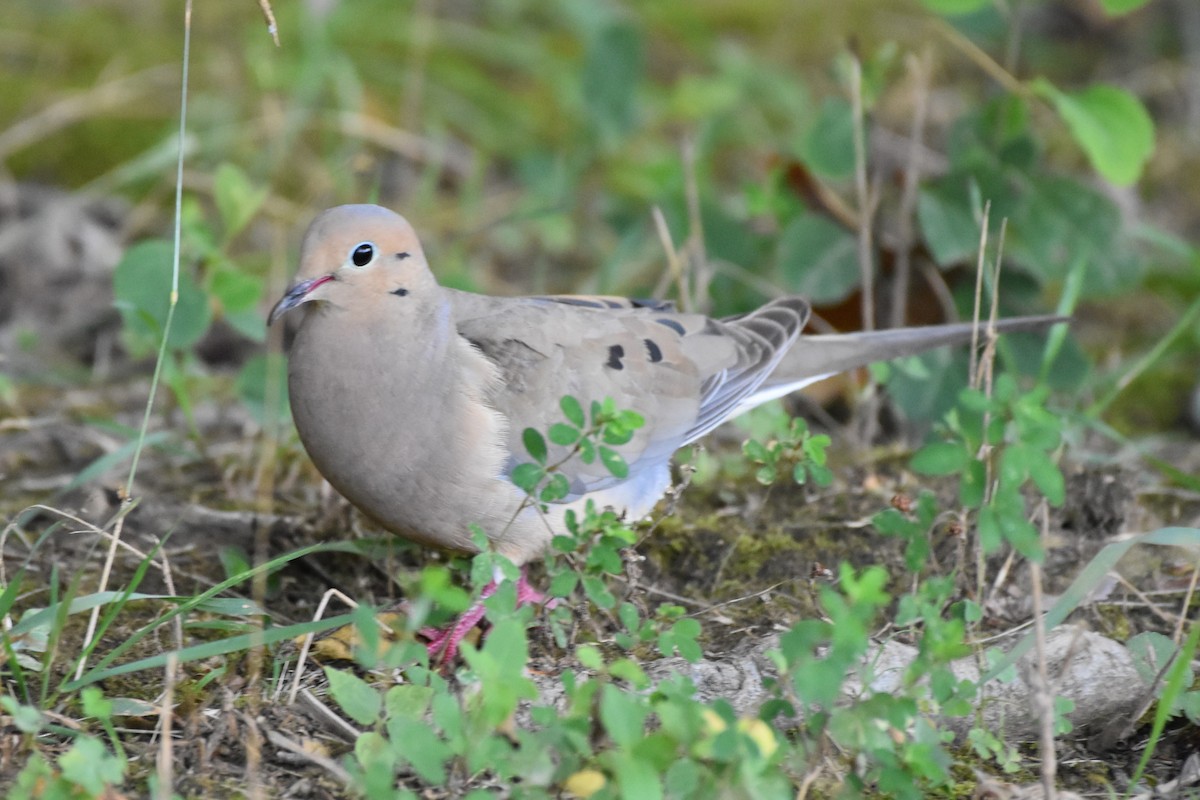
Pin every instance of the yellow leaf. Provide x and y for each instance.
(585, 783)
(761, 734)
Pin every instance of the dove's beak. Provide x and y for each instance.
(300, 293)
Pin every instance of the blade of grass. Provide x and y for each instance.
(1186, 322)
(194, 602)
(1088, 580)
(106, 571)
(1166, 701)
(199, 652)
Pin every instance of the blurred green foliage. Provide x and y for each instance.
(530, 140)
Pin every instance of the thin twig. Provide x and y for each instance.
(1187, 603)
(327, 764)
(698, 252)
(269, 15)
(675, 271)
(865, 203)
(1043, 697)
(165, 766)
(918, 68)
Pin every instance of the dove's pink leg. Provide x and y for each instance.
(443, 643)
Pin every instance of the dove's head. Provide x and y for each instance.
(358, 256)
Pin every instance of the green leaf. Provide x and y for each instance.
(27, 719)
(239, 296)
(237, 199)
(623, 716)
(415, 742)
(616, 434)
(142, 288)
(611, 73)
(526, 477)
(753, 449)
(947, 223)
(597, 591)
(535, 445)
(638, 778)
(95, 704)
(408, 700)
(573, 411)
(990, 536)
(558, 488)
(1110, 124)
(818, 259)
(564, 435)
(1117, 7)
(91, 767)
(563, 584)
(356, 697)
(589, 657)
(954, 7)
(1048, 478)
(262, 387)
(940, 458)
(828, 148)
(614, 462)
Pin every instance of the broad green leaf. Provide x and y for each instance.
(238, 200)
(239, 295)
(623, 716)
(526, 477)
(828, 148)
(638, 778)
(357, 698)
(415, 742)
(565, 435)
(408, 700)
(142, 287)
(91, 767)
(614, 462)
(262, 386)
(947, 223)
(563, 584)
(535, 444)
(611, 73)
(940, 458)
(1110, 124)
(573, 411)
(818, 259)
(990, 535)
(1048, 478)
(557, 488)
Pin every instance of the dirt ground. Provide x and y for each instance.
(742, 558)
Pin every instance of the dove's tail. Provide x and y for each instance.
(818, 356)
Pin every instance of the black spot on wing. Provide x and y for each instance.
(652, 304)
(654, 350)
(615, 354)
(672, 324)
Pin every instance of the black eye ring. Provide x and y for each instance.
(362, 254)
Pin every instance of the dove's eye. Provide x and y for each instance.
(362, 254)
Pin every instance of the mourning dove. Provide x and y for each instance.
(411, 398)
